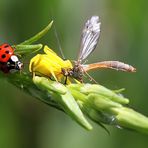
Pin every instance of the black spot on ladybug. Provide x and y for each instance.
(0, 48)
(3, 56)
(6, 46)
(7, 51)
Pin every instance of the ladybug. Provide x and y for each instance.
(6, 51)
(8, 60)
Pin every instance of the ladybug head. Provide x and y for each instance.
(14, 63)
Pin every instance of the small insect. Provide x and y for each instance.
(9, 62)
(89, 39)
(51, 65)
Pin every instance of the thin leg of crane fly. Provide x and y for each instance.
(90, 77)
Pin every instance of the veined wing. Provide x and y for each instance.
(89, 37)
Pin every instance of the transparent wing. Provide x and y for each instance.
(89, 37)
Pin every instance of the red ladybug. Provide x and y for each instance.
(6, 51)
(8, 60)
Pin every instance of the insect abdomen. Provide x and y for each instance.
(112, 65)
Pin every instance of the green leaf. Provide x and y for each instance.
(64, 98)
(101, 90)
(99, 108)
(94, 115)
(130, 119)
(24, 82)
(47, 84)
(38, 35)
(24, 50)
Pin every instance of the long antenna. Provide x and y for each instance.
(56, 35)
(58, 41)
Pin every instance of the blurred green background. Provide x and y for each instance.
(26, 122)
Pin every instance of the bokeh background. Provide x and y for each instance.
(28, 123)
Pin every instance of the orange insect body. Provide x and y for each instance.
(110, 64)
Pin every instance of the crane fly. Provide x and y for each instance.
(51, 65)
(89, 40)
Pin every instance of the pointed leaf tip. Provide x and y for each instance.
(38, 35)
